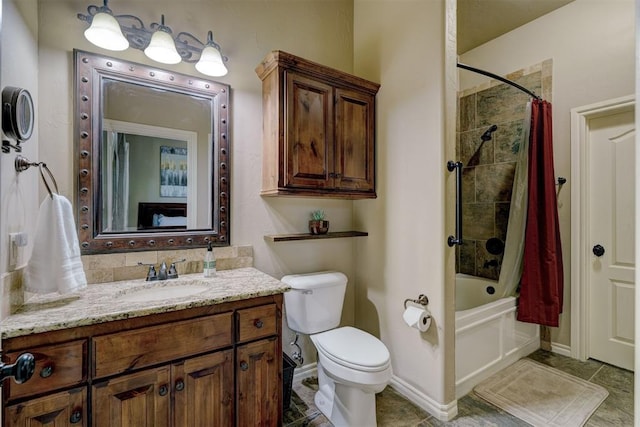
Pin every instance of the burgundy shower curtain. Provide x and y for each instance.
(541, 286)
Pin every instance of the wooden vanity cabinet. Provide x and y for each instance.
(209, 366)
(318, 130)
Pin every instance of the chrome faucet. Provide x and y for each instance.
(163, 273)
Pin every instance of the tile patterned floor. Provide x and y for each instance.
(395, 411)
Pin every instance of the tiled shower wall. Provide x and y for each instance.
(489, 166)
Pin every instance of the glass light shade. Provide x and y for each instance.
(105, 32)
(211, 62)
(162, 48)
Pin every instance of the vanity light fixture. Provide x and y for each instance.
(118, 32)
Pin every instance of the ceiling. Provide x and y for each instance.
(482, 20)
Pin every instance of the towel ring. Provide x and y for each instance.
(21, 164)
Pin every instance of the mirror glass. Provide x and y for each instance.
(153, 157)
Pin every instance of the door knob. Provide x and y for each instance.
(21, 370)
(598, 250)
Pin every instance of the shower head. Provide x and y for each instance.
(486, 136)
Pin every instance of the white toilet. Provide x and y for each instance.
(352, 365)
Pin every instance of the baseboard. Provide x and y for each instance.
(441, 412)
(305, 371)
(561, 349)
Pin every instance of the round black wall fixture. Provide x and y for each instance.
(494, 246)
(18, 114)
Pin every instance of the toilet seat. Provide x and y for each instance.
(353, 348)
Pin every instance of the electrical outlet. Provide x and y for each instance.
(16, 241)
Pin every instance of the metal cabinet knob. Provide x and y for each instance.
(179, 385)
(76, 416)
(258, 323)
(46, 371)
(598, 250)
(163, 390)
(244, 365)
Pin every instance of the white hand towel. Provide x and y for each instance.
(55, 264)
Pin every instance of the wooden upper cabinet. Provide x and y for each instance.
(318, 130)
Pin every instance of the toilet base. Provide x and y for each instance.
(345, 405)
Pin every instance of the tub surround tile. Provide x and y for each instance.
(489, 103)
(478, 220)
(502, 219)
(508, 139)
(468, 257)
(474, 151)
(469, 185)
(100, 303)
(467, 113)
(494, 182)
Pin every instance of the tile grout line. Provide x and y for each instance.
(595, 373)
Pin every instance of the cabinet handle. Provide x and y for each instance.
(76, 416)
(244, 365)
(258, 323)
(163, 390)
(180, 385)
(46, 371)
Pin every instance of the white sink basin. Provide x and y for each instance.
(162, 293)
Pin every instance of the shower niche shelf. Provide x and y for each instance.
(308, 236)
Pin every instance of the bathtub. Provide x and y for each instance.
(488, 336)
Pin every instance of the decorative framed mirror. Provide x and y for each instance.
(152, 157)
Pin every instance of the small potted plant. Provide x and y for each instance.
(317, 223)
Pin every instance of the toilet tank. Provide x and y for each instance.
(314, 303)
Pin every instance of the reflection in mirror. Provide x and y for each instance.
(153, 157)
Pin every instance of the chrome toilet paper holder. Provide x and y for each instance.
(422, 300)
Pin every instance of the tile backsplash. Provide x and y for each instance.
(124, 266)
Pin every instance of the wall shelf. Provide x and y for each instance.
(308, 236)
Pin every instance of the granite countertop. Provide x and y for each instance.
(117, 300)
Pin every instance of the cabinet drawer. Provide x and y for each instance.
(57, 366)
(257, 322)
(126, 351)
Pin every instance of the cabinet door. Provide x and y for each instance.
(134, 400)
(355, 151)
(258, 372)
(203, 391)
(68, 408)
(309, 133)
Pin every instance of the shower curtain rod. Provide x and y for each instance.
(502, 79)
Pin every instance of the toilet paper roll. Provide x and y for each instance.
(417, 318)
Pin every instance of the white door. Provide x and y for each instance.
(611, 228)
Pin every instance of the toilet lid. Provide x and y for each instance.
(352, 347)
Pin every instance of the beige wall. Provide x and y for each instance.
(402, 45)
(591, 43)
(19, 198)
(321, 31)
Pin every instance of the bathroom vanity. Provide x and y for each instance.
(115, 355)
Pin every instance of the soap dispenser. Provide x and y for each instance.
(209, 262)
